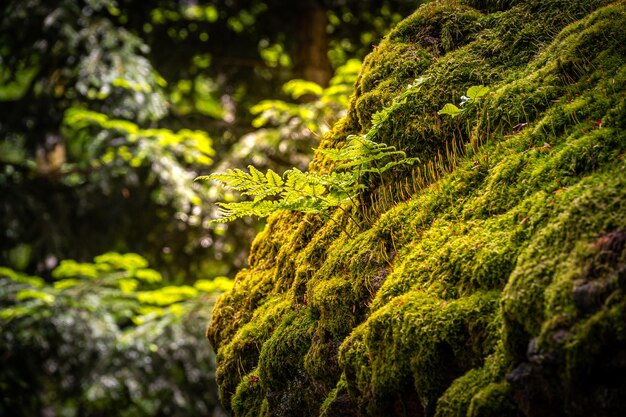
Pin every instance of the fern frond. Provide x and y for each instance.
(389, 165)
(310, 192)
(301, 184)
(253, 183)
(232, 211)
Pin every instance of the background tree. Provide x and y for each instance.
(98, 97)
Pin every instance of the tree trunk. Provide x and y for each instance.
(311, 55)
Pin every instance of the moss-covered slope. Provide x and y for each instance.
(489, 281)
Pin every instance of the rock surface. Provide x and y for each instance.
(487, 281)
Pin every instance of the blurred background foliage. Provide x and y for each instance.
(110, 108)
(106, 338)
(108, 111)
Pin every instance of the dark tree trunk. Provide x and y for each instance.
(311, 55)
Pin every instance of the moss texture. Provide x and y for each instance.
(487, 282)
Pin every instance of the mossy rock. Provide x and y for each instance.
(488, 281)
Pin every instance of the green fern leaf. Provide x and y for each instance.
(273, 179)
(310, 192)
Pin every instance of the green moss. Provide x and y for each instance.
(240, 356)
(247, 401)
(495, 400)
(417, 338)
(320, 362)
(338, 402)
(593, 206)
(282, 354)
(281, 361)
(314, 255)
(493, 287)
(242, 297)
(463, 396)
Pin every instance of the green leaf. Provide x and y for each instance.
(450, 109)
(299, 88)
(127, 285)
(476, 91)
(379, 117)
(219, 284)
(17, 311)
(273, 179)
(35, 294)
(20, 277)
(66, 283)
(167, 295)
(72, 269)
(148, 275)
(126, 261)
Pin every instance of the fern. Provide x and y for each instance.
(364, 154)
(310, 192)
(307, 192)
(253, 183)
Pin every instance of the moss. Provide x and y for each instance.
(271, 240)
(478, 392)
(495, 400)
(282, 354)
(494, 286)
(582, 334)
(313, 256)
(338, 403)
(491, 5)
(280, 362)
(418, 338)
(320, 361)
(456, 399)
(247, 401)
(576, 219)
(246, 302)
(240, 356)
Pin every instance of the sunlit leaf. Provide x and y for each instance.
(20, 277)
(148, 275)
(66, 283)
(450, 109)
(167, 295)
(122, 261)
(299, 88)
(127, 285)
(477, 91)
(219, 284)
(35, 294)
(73, 269)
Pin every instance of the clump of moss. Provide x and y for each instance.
(338, 403)
(476, 394)
(419, 340)
(281, 362)
(248, 400)
(495, 287)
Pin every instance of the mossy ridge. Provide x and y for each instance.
(543, 181)
(420, 341)
(489, 49)
(281, 366)
(526, 199)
